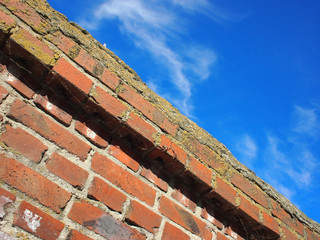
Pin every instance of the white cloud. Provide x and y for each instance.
(247, 147)
(157, 26)
(305, 121)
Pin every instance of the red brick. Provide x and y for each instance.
(24, 143)
(170, 233)
(6, 198)
(34, 46)
(141, 126)
(150, 111)
(37, 222)
(52, 109)
(62, 42)
(173, 156)
(7, 194)
(270, 222)
(19, 86)
(75, 235)
(286, 218)
(221, 236)
(151, 177)
(90, 134)
(233, 233)
(109, 79)
(288, 235)
(49, 129)
(101, 223)
(143, 217)
(249, 209)
(311, 235)
(6, 23)
(224, 191)
(73, 75)
(85, 60)
(116, 151)
(173, 149)
(107, 194)
(109, 103)
(207, 213)
(252, 191)
(184, 218)
(28, 15)
(33, 184)
(67, 170)
(3, 93)
(184, 200)
(207, 155)
(199, 170)
(122, 178)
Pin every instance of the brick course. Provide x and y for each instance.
(89, 152)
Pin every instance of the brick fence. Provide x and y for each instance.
(87, 151)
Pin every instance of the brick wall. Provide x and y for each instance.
(87, 151)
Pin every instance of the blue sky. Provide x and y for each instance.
(246, 71)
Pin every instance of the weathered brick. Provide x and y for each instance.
(101, 223)
(48, 128)
(116, 151)
(251, 190)
(73, 75)
(278, 211)
(199, 170)
(224, 191)
(6, 198)
(170, 232)
(174, 157)
(107, 194)
(3, 93)
(24, 143)
(141, 126)
(233, 233)
(208, 214)
(67, 170)
(28, 15)
(288, 235)
(90, 134)
(61, 41)
(34, 46)
(37, 222)
(6, 22)
(185, 200)
(249, 209)
(143, 217)
(221, 236)
(270, 222)
(109, 103)
(122, 178)
(173, 149)
(311, 235)
(19, 86)
(53, 110)
(75, 235)
(150, 111)
(184, 218)
(85, 60)
(7, 194)
(203, 152)
(149, 175)
(33, 184)
(109, 79)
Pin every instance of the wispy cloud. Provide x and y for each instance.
(247, 148)
(159, 27)
(305, 121)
